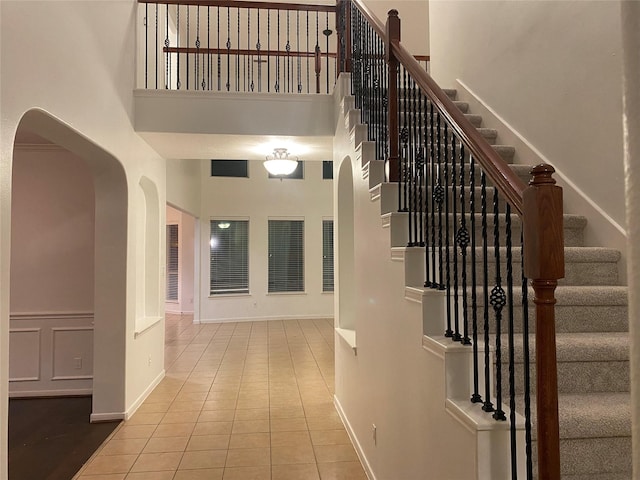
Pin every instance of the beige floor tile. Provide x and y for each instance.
(291, 454)
(123, 446)
(247, 473)
(341, 471)
(208, 442)
(191, 396)
(246, 403)
(330, 437)
(151, 476)
(222, 395)
(295, 472)
(154, 407)
(180, 417)
(284, 439)
(174, 430)
(252, 414)
(250, 440)
(288, 424)
(250, 426)
(145, 418)
(286, 412)
(331, 422)
(166, 444)
(112, 476)
(217, 415)
(248, 457)
(318, 410)
(203, 459)
(335, 453)
(103, 464)
(212, 428)
(195, 406)
(220, 404)
(200, 474)
(156, 462)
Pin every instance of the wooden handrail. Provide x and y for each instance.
(247, 4)
(238, 51)
(508, 183)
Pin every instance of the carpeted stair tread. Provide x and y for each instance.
(581, 347)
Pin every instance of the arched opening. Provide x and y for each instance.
(109, 262)
(345, 291)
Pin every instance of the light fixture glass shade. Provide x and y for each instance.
(280, 164)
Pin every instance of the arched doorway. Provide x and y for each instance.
(109, 260)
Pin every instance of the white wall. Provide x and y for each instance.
(76, 61)
(552, 72)
(414, 18)
(52, 273)
(183, 185)
(259, 198)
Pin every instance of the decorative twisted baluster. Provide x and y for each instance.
(487, 405)
(475, 396)
(462, 239)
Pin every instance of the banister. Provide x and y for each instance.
(508, 183)
(247, 4)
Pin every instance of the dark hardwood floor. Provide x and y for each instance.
(51, 438)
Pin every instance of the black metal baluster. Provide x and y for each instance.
(487, 405)
(166, 44)
(197, 58)
(327, 32)
(526, 361)
(276, 87)
(187, 51)
(247, 69)
(439, 194)
(228, 48)
(249, 56)
(475, 396)
(178, 46)
(258, 48)
(146, 44)
(409, 159)
(447, 226)
(298, 49)
(404, 137)
(308, 51)
(512, 372)
(456, 308)
(268, 50)
(420, 160)
(157, 34)
(462, 239)
(288, 49)
(414, 151)
(498, 301)
(385, 107)
(434, 172)
(238, 55)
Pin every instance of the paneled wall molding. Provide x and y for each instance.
(71, 315)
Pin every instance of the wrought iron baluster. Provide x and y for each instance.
(258, 48)
(487, 405)
(187, 52)
(307, 25)
(146, 45)
(498, 301)
(177, 47)
(268, 50)
(197, 58)
(512, 360)
(228, 48)
(420, 165)
(238, 54)
(157, 34)
(298, 48)
(277, 84)
(447, 226)
(327, 32)
(439, 194)
(456, 309)
(475, 396)
(166, 44)
(288, 49)
(434, 172)
(462, 239)
(404, 137)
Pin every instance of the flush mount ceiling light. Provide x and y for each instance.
(280, 164)
(224, 225)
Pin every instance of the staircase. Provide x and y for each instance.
(591, 325)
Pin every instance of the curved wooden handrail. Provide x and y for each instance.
(247, 4)
(508, 183)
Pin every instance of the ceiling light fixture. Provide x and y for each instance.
(280, 164)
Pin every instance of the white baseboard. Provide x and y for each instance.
(265, 319)
(76, 392)
(106, 417)
(354, 440)
(143, 396)
(601, 230)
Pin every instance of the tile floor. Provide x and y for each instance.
(240, 401)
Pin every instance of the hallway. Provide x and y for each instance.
(244, 401)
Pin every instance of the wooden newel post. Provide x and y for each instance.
(393, 37)
(544, 265)
(343, 15)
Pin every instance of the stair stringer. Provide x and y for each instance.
(395, 384)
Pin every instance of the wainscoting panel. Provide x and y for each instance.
(50, 354)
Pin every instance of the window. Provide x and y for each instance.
(229, 247)
(172, 263)
(229, 168)
(327, 169)
(298, 173)
(286, 256)
(327, 255)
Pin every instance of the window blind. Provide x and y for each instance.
(286, 255)
(172, 262)
(229, 248)
(327, 255)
